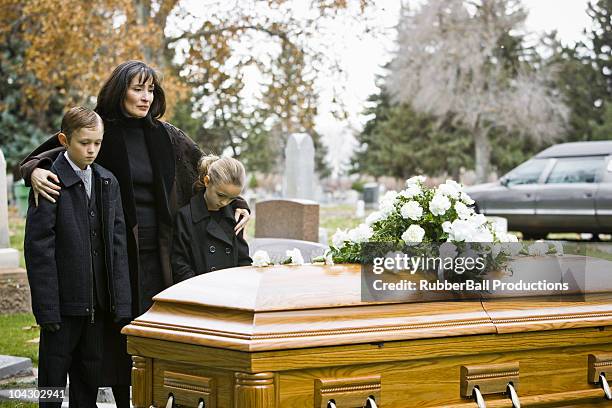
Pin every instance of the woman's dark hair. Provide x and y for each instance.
(110, 99)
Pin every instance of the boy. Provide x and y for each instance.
(76, 258)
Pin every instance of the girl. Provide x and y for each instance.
(204, 238)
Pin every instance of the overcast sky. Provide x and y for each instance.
(364, 59)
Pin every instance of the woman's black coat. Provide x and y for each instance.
(202, 245)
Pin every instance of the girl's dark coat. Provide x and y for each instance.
(202, 245)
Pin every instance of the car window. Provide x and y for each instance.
(527, 173)
(576, 170)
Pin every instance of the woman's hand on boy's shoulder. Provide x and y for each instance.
(45, 183)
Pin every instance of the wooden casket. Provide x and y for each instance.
(300, 336)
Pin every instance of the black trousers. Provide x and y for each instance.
(75, 349)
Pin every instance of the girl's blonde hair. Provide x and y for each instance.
(220, 170)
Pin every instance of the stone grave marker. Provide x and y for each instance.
(299, 175)
(290, 219)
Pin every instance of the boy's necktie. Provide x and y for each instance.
(85, 175)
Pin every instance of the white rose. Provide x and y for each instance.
(412, 210)
(374, 217)
(461, 231)
(447, 226)
(466, 198)
(558, 248)
(537, 249)
(261, 258)
(386, 204)
(439, 204)
(329, 258)
(411, 191)
(416, 180)
(507, 237)
(296, 256)
(361, 233)
(448, 189)
(512, 248)
(478, 219)
(414, 234)
(463, 211)
(339, 238)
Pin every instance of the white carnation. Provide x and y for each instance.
(439, 204)
(414, 234)
(412, 210)
(360, 234)
(463, 211)
(537, 249)
(374, 218)
(339, 238)
(261, 258)
(446, 226)
(296, 256)
(386, 204)
(450, 188)
(466, 198)
(411, 191)
(416, 180)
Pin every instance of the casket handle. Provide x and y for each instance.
(513, 396)
(371, 402)
(604, 384)
(170, 402)
(331, 404)
(478, 398)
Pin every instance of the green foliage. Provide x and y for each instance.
(400, 142)
(603, 130)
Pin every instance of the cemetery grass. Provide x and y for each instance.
(17, 330)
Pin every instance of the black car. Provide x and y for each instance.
(565, 188)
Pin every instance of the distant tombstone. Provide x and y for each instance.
(299, 176)
(360, 209)
(4, 228)
(290, 219)
(277, 248)
(370, 194)
(9, 258)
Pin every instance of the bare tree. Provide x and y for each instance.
(450, 62)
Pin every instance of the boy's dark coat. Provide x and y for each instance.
(201, 245)
(174, 157)
(57, 248)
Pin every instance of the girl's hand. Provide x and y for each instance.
(42, 184)
(242, 218)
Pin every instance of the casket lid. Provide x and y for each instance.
(286, 306)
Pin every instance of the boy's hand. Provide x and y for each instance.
(50, 327)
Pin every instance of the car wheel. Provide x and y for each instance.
(534, 236)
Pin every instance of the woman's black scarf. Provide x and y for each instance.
(114, 156)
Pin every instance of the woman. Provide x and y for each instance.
(155, 164)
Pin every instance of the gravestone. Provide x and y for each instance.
(370, 194)
(299, 176)
(290, 219)
(277, 248)
(9, 258)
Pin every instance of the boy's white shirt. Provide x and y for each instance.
(78, 171)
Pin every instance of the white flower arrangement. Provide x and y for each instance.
(261, 258)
